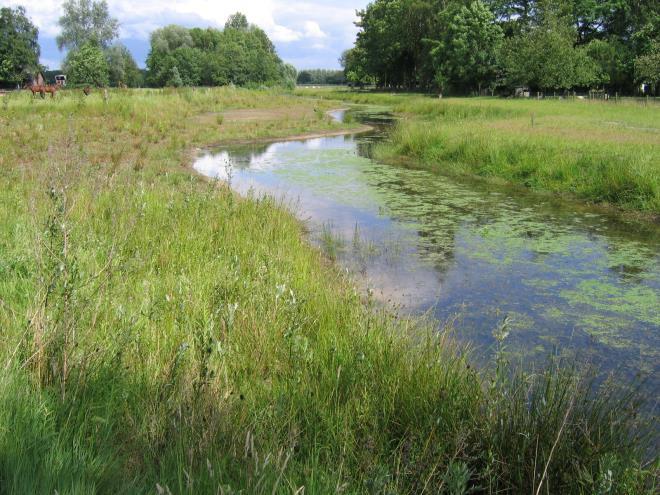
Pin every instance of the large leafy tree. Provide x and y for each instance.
(87, 66)
(392, 41)
(467, 52)
(545, 56)
(19, 48)
(355, 67)
(86, 21)
(172, 46)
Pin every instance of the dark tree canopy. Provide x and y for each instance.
(321, 76)
(466, 45)
(19, 48)
(84, 21)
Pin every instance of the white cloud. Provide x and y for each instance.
(313, 30)
(284, 34)
(44, 16)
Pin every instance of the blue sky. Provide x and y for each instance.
(307, 34)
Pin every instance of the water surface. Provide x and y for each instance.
(564, 277)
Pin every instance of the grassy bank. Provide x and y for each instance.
(602, 152)
(161, 335)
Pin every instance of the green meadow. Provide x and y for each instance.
(161, 334)
(598, 151)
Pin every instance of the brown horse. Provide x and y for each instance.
(35, 88)
(52, 89)
(42, 89)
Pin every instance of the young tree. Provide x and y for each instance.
(19, 48)
(84, 21)
(87, 66)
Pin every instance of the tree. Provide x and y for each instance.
(304, 77)
(321, 76)
(86, 21)
(167, 44)
(175, 80)
(169, 38)
(466, 56)
(237, 21)
(19, 48)
(391, 42)
(122, 67)
(355, 67)
(545, 55)
(289, 75)
(647, 67)
(87, 66)
(241, 54)
(611, 57)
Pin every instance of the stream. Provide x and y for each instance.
(563, 277)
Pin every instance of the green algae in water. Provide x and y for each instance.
(567, 277)
(638, 302)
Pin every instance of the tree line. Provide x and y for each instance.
(468, 46)
(240, 54)
(321, 76)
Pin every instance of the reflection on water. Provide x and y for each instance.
(565, 276)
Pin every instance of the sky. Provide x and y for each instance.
(308, 34)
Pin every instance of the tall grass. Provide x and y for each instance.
(601, 152)
(161, 335)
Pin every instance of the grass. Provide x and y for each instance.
(161, 335)
(601, 152)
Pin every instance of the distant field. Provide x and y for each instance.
(603, 152)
